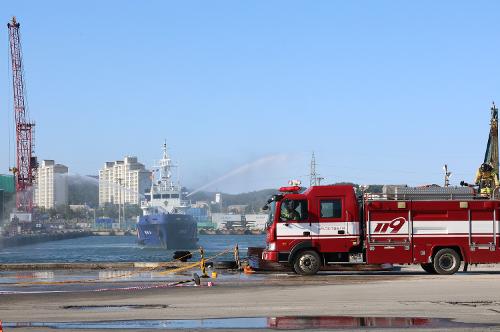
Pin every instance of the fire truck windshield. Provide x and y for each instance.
(270, 215)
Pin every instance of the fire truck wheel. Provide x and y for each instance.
(428, 268)
(306, 262)
(446, 261)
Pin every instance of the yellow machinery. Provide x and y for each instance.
(491, 155)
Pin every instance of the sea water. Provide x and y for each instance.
(120, 249)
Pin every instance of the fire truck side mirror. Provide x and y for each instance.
(265, 208)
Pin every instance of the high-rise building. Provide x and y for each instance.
(123, 181)
(51, 185)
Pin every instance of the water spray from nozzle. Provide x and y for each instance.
(243, 169)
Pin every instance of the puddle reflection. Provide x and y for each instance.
(275, 323)
(35, 275)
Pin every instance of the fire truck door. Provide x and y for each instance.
(333, 234)
(483, 230)
(389, 235)
(294, 225)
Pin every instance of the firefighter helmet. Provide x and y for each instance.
(486, 167)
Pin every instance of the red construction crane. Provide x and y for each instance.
(26, 162)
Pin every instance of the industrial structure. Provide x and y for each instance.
(51, 188)
(7, 193)
(26, 162)
(314, 178)
(123, 182)
(491, 154)
(239, 221)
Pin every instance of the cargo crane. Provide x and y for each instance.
(26, 162)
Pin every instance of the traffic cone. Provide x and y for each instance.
(248, 269)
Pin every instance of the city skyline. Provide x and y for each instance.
(382, 93)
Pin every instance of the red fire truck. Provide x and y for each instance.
(437, 227)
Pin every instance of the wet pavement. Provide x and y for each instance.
(73, 300)
(62, 281)
(88, 280)
(57, 281)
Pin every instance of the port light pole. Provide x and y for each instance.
(119, 203)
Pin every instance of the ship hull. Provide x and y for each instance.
(168, 231)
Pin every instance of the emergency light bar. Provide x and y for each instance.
(290, 189)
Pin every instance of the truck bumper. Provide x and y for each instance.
(270, 256)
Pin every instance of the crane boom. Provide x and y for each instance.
(26, 162)
(491, 154)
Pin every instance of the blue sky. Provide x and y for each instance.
(382, 91)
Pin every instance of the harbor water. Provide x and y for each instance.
(119, 249)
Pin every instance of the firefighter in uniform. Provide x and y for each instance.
(289, 212)
(486, 179)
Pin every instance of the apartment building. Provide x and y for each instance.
(51, 185)
(123, 181)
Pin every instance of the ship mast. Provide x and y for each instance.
(165, 168)
(164, 194)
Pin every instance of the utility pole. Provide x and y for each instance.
(119, 203)
(123, 205)
(447, 175)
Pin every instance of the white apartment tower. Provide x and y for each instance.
(123, 181)
(51, 187)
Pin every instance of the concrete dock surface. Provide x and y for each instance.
(471, 298)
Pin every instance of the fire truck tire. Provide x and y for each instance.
(307, 262)
(446, 261)
(429, 268)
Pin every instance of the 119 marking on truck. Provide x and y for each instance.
(394, 226)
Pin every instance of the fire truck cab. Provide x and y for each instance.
(437, 227)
